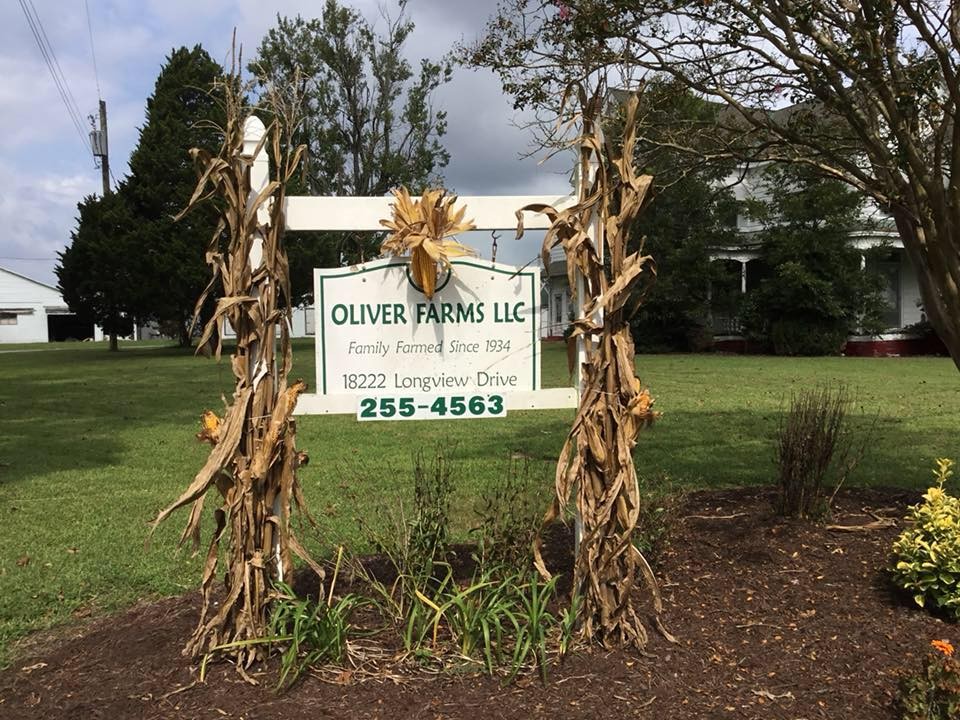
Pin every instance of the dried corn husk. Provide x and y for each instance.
(421, 228)
(596, 468)
(253, 460)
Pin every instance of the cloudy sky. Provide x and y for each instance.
(46, 169)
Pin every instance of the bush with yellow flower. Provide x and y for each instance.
(926, 559)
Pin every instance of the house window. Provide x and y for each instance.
(729, 212)
(558, 309)
(308, 320)
(8, 318)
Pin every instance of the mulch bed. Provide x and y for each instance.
(775, 620)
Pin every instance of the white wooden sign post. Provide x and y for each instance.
(521, 390)
(484, 335)
(474, 283)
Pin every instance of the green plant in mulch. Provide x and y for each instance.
(414, 543)
(306, 631)
(501, 618)
(313, 632)
(933, 693)
(926, 560)
(509, 514)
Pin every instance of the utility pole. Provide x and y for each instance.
(98, 143)
(105, 158)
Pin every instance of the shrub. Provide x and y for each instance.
(811, 290)
(927, 555)
(509, 515)
(811, 447)
(691, 216)
(315, 631)
(414, 543)
(432, 488)
(934, 692)
(796, 337)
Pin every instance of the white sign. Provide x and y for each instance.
(378, 335)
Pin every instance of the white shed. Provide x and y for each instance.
(31, 311)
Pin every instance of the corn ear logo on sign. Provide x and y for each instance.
(379, 334)
(432, 331)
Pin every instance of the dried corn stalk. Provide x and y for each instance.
(596, 462)
(254, 459)
(421, 228)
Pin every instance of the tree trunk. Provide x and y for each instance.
(184, 334)
(114, 345)
(926, 248)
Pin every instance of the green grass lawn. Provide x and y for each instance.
(93, 444)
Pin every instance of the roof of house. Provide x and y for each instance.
(28, 279)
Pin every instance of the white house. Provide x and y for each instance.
(904, 307)
(556, 305)
(902, 291)
(31, 311)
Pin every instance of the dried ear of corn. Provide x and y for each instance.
(596, 468)
(421, 228)
(253, 460)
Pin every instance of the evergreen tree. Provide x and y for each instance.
(182, 113)
(368, 121)
(95, 273)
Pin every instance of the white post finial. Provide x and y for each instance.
(253, 132)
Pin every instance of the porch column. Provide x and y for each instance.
(743, 277)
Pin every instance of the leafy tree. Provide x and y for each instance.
(95, 273)
(182, 113)
(689, 216)
(866, 92)
(369, 124)
(685, 221)
(815, 292)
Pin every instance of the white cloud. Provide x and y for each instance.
(45, 171)
(37, 213)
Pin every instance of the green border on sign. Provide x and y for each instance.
(535, 344)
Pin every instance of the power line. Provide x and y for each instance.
(49, 58)
(29, 259)
(45, 51)
(46, 40)
(93, 52)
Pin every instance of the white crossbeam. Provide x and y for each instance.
(488, 212)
